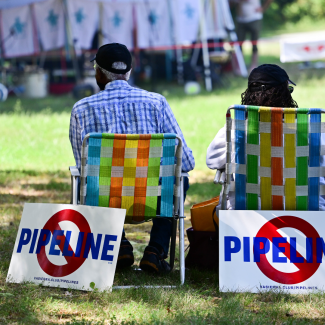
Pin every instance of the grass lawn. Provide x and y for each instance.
(35, 155)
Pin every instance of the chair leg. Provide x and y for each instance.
(181, 251)
(74, 190)
(173, 244)
(181, 235)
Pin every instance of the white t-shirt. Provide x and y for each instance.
(246, 11)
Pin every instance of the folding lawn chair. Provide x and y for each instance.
(277, 158)
(130, 171)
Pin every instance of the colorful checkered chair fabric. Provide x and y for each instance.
(130, 172)
(277, 158)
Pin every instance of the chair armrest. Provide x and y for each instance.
(74, 171)
(220, 177)
(217, 177)
(185, 174)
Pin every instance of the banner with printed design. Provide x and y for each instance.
(117, 23)
(153, 24)
(17, 32)
(217, 18)
(67, 246)
(186, 20)
(50, 22)
(84, 21)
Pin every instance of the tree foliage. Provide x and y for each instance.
(281, 11)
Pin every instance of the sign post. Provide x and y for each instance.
(265, 250)
(67, 246)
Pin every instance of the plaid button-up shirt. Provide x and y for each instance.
(123, 109)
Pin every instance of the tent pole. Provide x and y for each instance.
(100, 34)
(71, 42)
(180, 69)
(205, 51)
(230, 27)
(179, 52)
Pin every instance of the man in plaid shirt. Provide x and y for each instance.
(120, 108)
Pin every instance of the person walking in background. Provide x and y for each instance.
(249, 15)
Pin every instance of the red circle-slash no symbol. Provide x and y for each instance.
(306, 270)
(73, 262)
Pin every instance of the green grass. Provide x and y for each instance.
(35, 154)
(199, 301)
(36, 137)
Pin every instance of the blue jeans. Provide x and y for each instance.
(161, 230)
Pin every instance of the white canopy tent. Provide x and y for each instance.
(26, 26)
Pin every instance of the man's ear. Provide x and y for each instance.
(100, 76)
(99, 73)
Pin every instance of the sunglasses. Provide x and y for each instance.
(291, 89)
(95, 66)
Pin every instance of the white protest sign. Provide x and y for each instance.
(293, 50)
(67, 245)
(271, 250)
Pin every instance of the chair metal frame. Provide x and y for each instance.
(224, 178)
(178, 210)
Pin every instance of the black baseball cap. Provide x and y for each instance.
(113, 52)
(267, 76)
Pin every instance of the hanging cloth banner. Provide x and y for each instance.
(17, 31)
(186, 20)
(117, 23)
(83, 18)
(50, 22)
(153, 24)
(216, 13)
(224, 14)
(222, 18)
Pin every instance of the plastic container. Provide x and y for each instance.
(36, 84)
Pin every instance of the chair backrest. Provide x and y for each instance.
(277, 157)
(130, 171)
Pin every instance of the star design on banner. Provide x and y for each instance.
(117, 19)
(153, 18)
(18, 26)
(189, 11)
(52, 18)
(79, 15)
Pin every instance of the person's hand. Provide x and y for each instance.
(259, 9)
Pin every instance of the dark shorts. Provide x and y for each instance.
(252, 28)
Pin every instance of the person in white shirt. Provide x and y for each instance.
(270, 86)
(249, 21)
